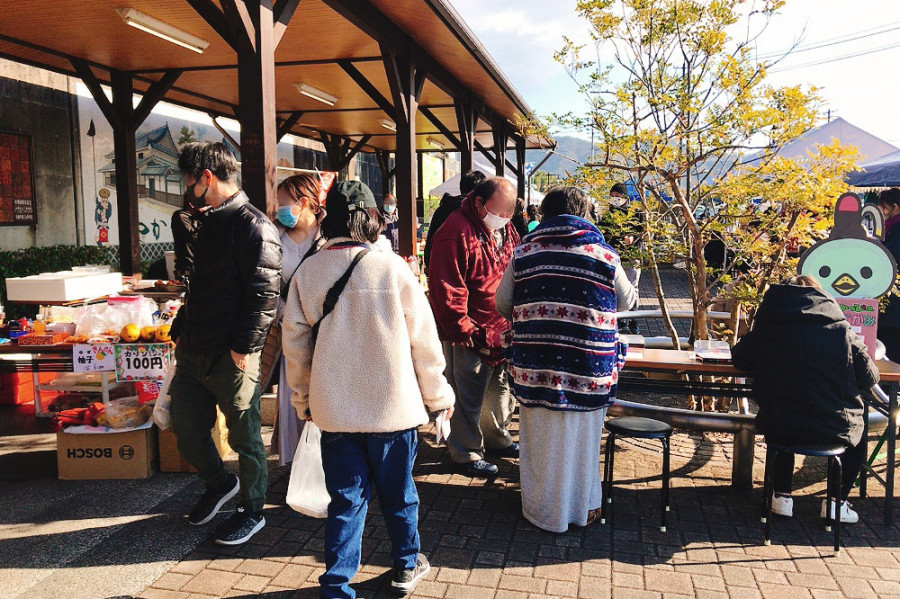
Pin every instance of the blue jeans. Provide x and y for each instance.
(353, 462)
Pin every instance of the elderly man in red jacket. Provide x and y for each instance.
(470, 252)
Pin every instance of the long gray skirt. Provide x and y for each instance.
(559, 466)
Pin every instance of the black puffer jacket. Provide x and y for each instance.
(233, 291)
(808, 368)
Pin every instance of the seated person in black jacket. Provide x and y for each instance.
(808, 371)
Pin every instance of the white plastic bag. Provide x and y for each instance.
(161, 414)
(306, 490)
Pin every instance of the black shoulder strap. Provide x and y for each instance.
(334, 293)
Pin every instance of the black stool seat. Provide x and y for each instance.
(816, 451)
(642, 428)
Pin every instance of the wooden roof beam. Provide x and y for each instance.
(281, 14)
(367, 87)
(441, 127)
(287, 124)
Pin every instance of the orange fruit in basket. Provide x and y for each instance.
(130, 333)
(164, 333)
(148, 334)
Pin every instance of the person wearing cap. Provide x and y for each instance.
(470, 253)
(377, 372)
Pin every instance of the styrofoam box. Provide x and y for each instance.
(62, 286)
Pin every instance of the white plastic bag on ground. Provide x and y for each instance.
(306, 490)
(161, 415)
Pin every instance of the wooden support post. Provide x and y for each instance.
(387, 173)
(499, 132)
(126, 176)
(521, 184)
(341, 150)
(254, 28)
(125, 118)
(466, 121)
(256, 112)
(406, 86)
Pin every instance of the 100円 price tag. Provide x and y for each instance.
(142, 361)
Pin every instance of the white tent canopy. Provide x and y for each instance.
(451, 185)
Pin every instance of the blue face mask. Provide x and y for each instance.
(286, 217)
(389, 208)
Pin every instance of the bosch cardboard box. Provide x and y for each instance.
(105, 455)
(170, 459)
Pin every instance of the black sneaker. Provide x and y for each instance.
(212, 501)
(478, 469)
(240, 527)
(507, 452)
(405, 581)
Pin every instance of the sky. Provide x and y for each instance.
(522, 35)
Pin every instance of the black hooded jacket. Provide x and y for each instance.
(808, 368)
(233, 290)
(449, 204)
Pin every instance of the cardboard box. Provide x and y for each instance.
(170, 459)
(111, 455)
(62, 286)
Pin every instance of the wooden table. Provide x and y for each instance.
(678, 362)
(51, 358)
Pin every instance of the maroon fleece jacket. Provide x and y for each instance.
(463, 274)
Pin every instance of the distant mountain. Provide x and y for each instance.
(573, 147)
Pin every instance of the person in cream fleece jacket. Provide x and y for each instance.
(375, 372)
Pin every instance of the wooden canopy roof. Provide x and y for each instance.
(329, 44)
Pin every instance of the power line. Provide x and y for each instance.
(836, 58)
(850, 37)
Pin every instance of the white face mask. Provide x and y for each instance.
(494, 222)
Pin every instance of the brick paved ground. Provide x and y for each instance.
(481, 547)
(678, 297)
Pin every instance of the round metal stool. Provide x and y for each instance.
(832, 487)
(639, 428)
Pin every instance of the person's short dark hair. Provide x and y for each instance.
(532, 211)
(564, 199)
(620, 189)
(889, 197)
(345, 219)
(470, 181)
(212, 156)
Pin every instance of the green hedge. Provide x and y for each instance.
(33, 261)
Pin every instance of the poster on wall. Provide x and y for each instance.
(17, 206)
(158, 142)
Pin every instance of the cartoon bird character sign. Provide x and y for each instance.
(853, 268)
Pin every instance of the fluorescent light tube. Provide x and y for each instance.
(316, 94)
(148, 24)
(389, 125)
(434, 143)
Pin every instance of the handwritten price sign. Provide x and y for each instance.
(862, 315)
(94, 357)
(142, 361)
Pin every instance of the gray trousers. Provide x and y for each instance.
(484, 405)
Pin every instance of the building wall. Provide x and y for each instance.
(35, 102)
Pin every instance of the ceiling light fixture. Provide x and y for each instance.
(316, 94)
(389, 125)
(148, 24)
(434, 143)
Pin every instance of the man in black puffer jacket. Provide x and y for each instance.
(220, 331)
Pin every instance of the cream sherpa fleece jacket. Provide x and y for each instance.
(378, 362)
